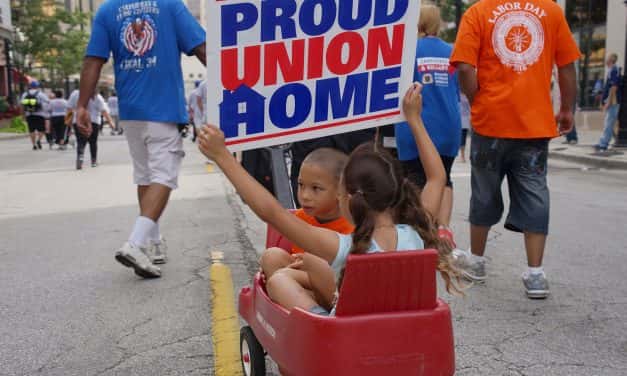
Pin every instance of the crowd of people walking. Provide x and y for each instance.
(51, 116)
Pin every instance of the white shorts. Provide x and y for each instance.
(156, 150)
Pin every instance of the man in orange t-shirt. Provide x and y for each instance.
(505, 52)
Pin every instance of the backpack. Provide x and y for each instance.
(31, 103)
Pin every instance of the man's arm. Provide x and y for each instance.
(568, 92)
(568, 86)
(108, 118)
(89, 79)
(201, 106)
(201, 53)
(468, 80)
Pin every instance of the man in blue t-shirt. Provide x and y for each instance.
(440, 109)
(146, 39)
(610, 102)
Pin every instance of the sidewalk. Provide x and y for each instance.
(583, 152)
(12, 136)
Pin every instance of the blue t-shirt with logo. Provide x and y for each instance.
(613, 79)
(146, 39)
(440, 101)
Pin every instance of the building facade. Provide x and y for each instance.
(6, 36)
(600, 29)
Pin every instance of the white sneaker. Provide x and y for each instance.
(135, 257)
(471, 268)
(158, 251)
(536, 285)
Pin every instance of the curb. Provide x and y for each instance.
(598, 162)
(13, 136)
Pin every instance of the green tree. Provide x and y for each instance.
(448, 8)
(48, 37)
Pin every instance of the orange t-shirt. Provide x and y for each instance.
(514, 45)
(340, 225)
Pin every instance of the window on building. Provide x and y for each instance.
(587, 20)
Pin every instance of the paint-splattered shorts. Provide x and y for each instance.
(524, 162)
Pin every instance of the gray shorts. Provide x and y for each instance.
(157, 152)
(524, 162)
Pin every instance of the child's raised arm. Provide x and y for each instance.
(322, 242)
(431, 195)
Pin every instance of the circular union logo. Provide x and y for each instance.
(518, 40)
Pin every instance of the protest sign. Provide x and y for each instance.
(280, 71)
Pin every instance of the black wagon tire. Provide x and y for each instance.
(252, 355)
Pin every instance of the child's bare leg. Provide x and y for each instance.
(288, 293)
(300, 276)
(322, 279)
(273, 259)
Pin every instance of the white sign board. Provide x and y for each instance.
(280, 71)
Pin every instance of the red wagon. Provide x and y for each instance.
(388, 321)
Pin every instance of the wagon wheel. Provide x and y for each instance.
(252, 355)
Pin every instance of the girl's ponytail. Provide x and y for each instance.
(363, 215)
(409, 210)
(362, 237)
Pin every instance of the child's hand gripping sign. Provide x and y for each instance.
(288, 70)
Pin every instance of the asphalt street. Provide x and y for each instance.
(67, 308)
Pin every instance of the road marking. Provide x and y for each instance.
(224, 322)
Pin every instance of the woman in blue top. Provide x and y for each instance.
(440, 110)
(388, 212)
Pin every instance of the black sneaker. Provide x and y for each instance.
(34, 147)
(39, 145)
(94, 164)
(79, 164)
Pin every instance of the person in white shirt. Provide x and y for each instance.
(112, 102)
(35, 105)
(201, 99)
(97, 108)
(58, 108)
(192, 108)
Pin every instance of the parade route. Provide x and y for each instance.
(68, 308)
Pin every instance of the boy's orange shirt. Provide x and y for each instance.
(340, 225)
(514, 45)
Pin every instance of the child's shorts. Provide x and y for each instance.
(317, 310)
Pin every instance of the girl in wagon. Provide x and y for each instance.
(387, 209)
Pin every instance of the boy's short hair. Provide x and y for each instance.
(331, 160)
